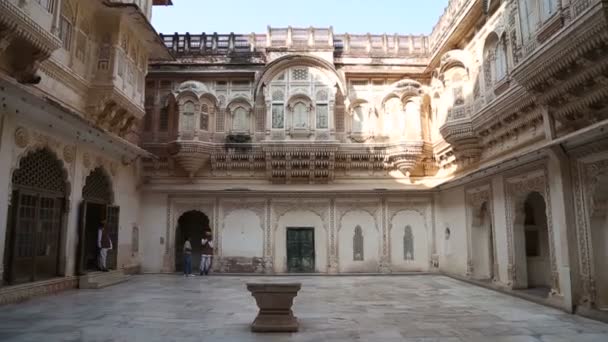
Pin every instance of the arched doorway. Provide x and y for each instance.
(98, 197)
(483, 245)
(599, 241)
(534, 233)
(36, 218)
(192, 224)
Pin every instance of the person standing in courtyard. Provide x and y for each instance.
(206, 253)
(187, 258)
(104, 244)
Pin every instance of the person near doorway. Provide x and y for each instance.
(187, 258)
(104, 244)
(206, 253)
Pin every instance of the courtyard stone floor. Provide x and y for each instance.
(366, 308)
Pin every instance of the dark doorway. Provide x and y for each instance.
(192, 224)
(95, 213)
(300, 250)
(536, 240)
(96, 207)
(35, 219)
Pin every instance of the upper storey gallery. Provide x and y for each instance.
(481, 86)
(90, 57)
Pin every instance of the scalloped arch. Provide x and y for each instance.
(280, 64)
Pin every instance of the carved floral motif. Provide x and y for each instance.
(22, 137)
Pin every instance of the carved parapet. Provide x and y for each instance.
(23, 43)
(190, 155)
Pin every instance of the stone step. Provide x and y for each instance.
(98, 280)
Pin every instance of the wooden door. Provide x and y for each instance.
(112, 219)
(300, 250)
(34, 237)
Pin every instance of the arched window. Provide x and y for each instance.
(300, 116)
(489, 61)
(500, 66)
(66, 26)
(240, 120)
(528, 15)
(408, 244)
(49, 5)
(187, 122)
(278, 109)
(358, 244)
(358, 120)
(548, 9)
(204, 122)
(135, 240)
(322, 109)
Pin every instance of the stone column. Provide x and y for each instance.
(385, 261)
(6, 136)
(564, 225)
(268, 249)
(333, 239)
(68, 260)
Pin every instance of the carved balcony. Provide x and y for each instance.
(569, 69)
(465, 143)
(192, 155)
(24, 44)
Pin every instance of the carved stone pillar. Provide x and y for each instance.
(385, 260)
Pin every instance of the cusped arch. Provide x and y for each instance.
(98, 186)
(357, 103)
(40, 168)
(239, 102)
(277, 66)
(403, 89)
(300, 98)
(454, 59)
(355, 209)
(186, 96)
(194, 86)
(490, 43)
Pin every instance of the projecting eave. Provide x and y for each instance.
(162, 3)
(157, 50)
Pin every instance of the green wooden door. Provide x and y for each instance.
(300, 250)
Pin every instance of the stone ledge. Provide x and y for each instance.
(23, 292)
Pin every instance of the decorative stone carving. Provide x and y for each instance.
(22, 137)
(69, 153)
(586, 177)
(86, 160)
(517, 189)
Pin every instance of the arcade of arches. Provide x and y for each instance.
(479, 151)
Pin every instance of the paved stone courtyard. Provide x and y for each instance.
(367, 308)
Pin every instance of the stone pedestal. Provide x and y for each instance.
(274, 301)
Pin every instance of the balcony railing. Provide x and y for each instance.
(297, 38)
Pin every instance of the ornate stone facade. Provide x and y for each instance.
(397, 153)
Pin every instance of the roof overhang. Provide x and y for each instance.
(162, 3)
(43, 111)
(156, 47)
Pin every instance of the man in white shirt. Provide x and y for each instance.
(104, 243)
(187, 258)
(206, 253)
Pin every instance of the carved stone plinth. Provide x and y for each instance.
(274, 301)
